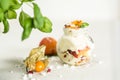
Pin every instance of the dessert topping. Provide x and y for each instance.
(36, 60)
(73, 53)
(77, 24)
(40, 66)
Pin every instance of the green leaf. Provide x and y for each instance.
(5, 4)
(85, 24)
(23, 17)
(47, 25)
(1, 15)
(38, 18)
(27, 23)
(40, 22)
(11, 14)
(6, 26)
(15, 4)
(27, 28)
(27, 0)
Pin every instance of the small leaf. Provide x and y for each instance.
(5, 4)
(27, 28)
(23, 17)
(6, 26)
(38, 18)
(27, 0)
(15, 4)
(11, 14)
(1, 15)
(40, 22)
(27, 23)
(47, 25)
(85, 24)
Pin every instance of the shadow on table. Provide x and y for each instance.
(13, 68)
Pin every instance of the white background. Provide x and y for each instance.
(103, 17)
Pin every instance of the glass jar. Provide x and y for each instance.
(75, 46)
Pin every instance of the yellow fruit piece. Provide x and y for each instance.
(40, 66)
(36, 54)
(77, 22)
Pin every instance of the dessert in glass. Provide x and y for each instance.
(75, 46)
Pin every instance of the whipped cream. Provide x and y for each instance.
(75, 46)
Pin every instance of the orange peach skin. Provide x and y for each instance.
(50, 44)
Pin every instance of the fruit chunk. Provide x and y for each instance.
(73, 53)
(76, 24)
(50, 44)
(36, 61)
(36, 54)
(40, 66)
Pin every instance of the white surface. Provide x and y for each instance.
(85, 9)
(100, 14)
(13, 51)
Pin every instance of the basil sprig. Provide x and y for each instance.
(41, 22)
(38, 21)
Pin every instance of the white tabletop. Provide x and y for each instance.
(13, 51)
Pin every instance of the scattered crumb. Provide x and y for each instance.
(33, 79)
(65, 65)
(72, 67)
(43, 73)
(30, 75)
(94, 55)
(25, 77)
(58, 67)
(54, 65)
(11, 72)
(100, 62)
(51, 67)
(60, 76)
